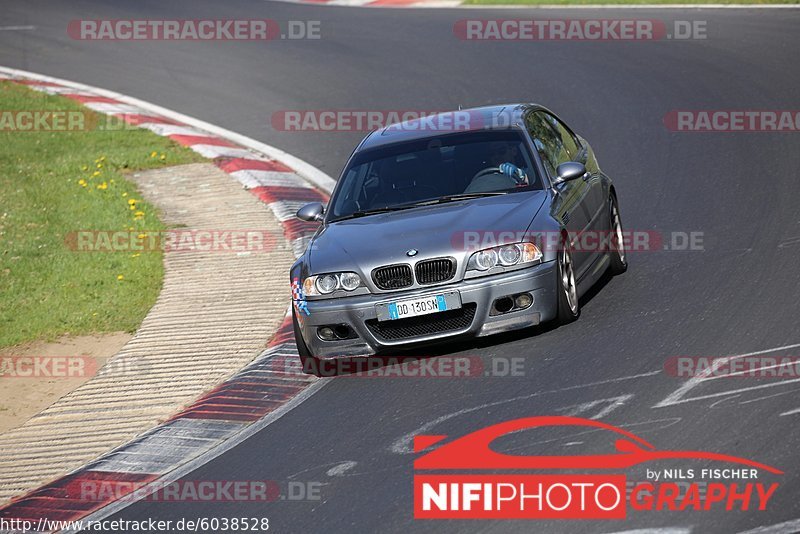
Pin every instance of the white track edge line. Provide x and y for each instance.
(199, 461)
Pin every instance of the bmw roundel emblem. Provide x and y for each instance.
(412, 252)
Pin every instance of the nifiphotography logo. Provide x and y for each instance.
(738, 483)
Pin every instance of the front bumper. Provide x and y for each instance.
(358, 312)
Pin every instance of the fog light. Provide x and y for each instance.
(326, 333)
(523, 301)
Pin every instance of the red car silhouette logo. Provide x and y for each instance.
(473, 451)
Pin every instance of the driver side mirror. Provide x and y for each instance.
(570, 170)
(311, 212)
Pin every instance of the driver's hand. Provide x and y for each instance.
(514, 172)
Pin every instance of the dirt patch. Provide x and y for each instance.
(35, 375)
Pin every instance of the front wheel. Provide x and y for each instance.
(309, 362)
(568, 306)
(619, 261)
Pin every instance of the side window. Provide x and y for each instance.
(547, 141)
(568, 140)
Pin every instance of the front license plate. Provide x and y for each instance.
(402, 309)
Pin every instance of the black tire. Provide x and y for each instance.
(309, 362)
(619, 259)
(566, 312)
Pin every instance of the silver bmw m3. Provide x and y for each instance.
(496, 223)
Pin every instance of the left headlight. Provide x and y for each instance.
(325, 284)
(504, 256)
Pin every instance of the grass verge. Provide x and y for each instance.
(56, 182)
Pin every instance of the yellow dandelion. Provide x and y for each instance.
(120, 277)
(96, 173)
(85, 168)
(135, 255)
(99, 165)
(123, 194)
(82, 182)
(163, 157)
(131, 201)
(102, 186)
(153, 154)
(141, 236)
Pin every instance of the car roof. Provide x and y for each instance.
(503, 116)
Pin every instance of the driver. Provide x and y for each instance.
(501, 174)
(501, 154)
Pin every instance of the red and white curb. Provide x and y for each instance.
(260, 393)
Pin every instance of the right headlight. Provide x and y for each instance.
(325, 284)
(504, 256)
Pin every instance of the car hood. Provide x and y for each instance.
(363, 243)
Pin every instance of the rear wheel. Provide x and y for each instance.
(568, 306)
(619, 260)
(309, 362)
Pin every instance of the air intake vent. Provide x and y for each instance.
(425, 325)
(435, 271)
(392, 277)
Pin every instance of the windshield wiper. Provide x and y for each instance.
(467, 196)
(373, 211)
(451, 198)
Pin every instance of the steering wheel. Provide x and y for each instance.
(487, 171)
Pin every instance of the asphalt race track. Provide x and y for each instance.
(739, 295)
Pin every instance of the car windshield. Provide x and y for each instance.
(438, 169)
